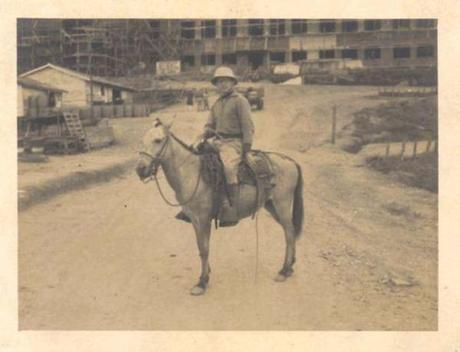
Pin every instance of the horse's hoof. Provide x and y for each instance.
(280, 278)
(197, 291)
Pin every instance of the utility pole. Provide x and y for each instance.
(334, 123)
(91, 92)
(90, 71)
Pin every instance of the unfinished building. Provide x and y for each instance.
(104, 47)
(122, 47)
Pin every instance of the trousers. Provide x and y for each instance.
(231, 154)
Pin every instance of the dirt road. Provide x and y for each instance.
(112, 257)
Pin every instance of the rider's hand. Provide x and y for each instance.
(196, 146)
(246, 149)
(208, 133)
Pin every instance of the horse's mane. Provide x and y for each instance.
(183, 144)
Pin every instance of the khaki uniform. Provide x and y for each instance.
(231, 152)
(230, 117)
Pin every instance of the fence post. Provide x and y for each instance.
(428, 145)
(414, 151)
(403, 149)
(387, 150)
(334, 123)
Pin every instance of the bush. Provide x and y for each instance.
(421, 172)
(421, 76)
(396, 121)
(393, 76)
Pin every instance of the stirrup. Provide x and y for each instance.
(228, 223)
(182, 216)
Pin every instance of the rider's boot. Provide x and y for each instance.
(182, 216)
(229, 214)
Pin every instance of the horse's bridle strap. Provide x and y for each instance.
(155, 160)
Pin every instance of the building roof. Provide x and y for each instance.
(77, 74)
(31, 83)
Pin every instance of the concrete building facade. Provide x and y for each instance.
(119, 47)
(254, 43)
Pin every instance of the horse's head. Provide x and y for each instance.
(153, 148)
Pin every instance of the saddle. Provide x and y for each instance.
(257, 170)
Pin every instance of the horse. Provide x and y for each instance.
(182, 169)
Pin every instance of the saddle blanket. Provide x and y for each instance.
(257, 170)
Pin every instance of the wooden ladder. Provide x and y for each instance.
(75, 127)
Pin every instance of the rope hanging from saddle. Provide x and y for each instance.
(211, 168)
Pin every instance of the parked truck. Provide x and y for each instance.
(254, 95)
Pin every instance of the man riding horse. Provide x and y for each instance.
(230, 121)
(186, 172)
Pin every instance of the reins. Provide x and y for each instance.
(157, 159)
(177, 204)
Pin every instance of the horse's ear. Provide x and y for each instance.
(168, 125)
(166, 128)
(157, 122)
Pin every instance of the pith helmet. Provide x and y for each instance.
(223, 72)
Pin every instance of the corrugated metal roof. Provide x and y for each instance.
(76, 74)
(31, 83)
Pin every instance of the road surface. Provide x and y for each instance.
(112, 257)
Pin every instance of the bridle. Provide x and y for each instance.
(155, 162)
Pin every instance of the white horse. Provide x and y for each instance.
(181, 165)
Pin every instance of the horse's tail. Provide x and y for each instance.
(297, 209)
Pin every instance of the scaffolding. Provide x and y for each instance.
(99, 47)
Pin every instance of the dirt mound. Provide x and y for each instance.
(410, 119)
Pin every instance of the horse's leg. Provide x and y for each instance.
(203, 233)
(281, 212)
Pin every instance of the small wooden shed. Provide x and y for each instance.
(35, 98)
(82, 88)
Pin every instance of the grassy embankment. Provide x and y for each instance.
(406, 120)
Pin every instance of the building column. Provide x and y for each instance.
(287, 33)
(338, 54)
(197, 56)
(197, 31)
(218, 57)
(386, 57)
(338, 26)
(266, 24)
(313, 27)
(267, 60)
(242, 28)
(313, 55)
(218, 43)
(218, 29)
(387, 25)
(288, 27)
(412, 52)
